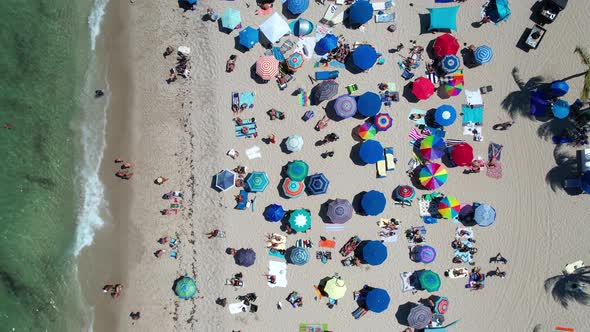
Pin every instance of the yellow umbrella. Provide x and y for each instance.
(335, 288)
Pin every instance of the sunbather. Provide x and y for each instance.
(416, 116)
(230, 65)
(323, 123)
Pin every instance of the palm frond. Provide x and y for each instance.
(562, 290)
(585, 57)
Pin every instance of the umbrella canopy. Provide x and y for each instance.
(294, 143)
(185, 287)
(445, 115)
(449, 63)
(559, 88)
(449, 207)
(425, 254)
(429, 281)
(231, 18)
(483, 54)
(485, 215)
(377, 300)
(441, 305)
(249, 37)
(360, 12)
(419, 316)
(297, 6)
(335, 288)
(560, 109)
(317, 184)
(339, 211)
(371, 151)
(373, 202)
(446, 45)
(295, 61)
(368, 104)
(267, 67)
(293, 189)
(300, 220)
(245, 257)
(585, 182)
(374, 252)
(383, 121)
(367, 131)
(422, 88)
(324, 91)
(257, 181)
(345, 106)
(302, 27)
(275, 27)
(432, 176)
(364, 56)
(432, 147)
(326, 44)
(453, 87)
(404, 193)
(298, 256)
(225, 180)
(462, 154)
(274, 213)
(297, 170)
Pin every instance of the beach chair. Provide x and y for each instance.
(308, 115)
(287, 45)
(326, 75)
(350, 246)
(243, 204)
(359, 312)
(486, 89)
(352, 88)
(381, 168)
(389, 159)
(329, 14)
(407, 74)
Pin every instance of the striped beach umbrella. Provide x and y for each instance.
(453, 87)
(293, 189)
(345, 106)
(425, 254)
(367, 131)
(432, 176)
(450, 63)
(483, 54)
(449, 207)
(295, 61)
(297, 170)
(267, 67)
(324, 91)
(300, 220)
(335, 288)
(257, 181)
(185, 287)
(339, 211)
(298, 256)
(249, 37)
(231, 18)
(419, 317)
(432, 147)
(404, 193)
(441, 304)
(445, 115)
(429, 281)
(294, 143)
(317, 184)
(422, 88)
(383, 121)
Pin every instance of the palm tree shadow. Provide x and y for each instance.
(566, 167)
(567, 288)
(517, 103)
(554, 127)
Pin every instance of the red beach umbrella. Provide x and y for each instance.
(422, 88)
(446, 45)
(267, 67)
(462, 154)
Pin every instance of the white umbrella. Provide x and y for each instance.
(275, 27)
(294, 143)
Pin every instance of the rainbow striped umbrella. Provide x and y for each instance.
(293, 189)
(454, 87)
(367, 131)
(433, 176)
(295, 61)
(432, 147)
(449, 207)
(267, 67)
(383, 121)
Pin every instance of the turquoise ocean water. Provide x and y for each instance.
(51, 194)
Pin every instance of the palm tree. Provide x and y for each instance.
(518, 102)
(566, 167)
(585, 56)
(566, 288)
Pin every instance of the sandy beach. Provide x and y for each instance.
(183, 130)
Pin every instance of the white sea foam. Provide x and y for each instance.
(95, 20)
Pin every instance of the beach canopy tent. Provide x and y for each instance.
(274, 213)
(497, 10)
(324, 91)
(422, 88)
(257, 181)
(441, 304)
(424, 254)
(449, 207)
(368, 104)
(462, 154)
(185, 287)
(432, 147)
(339, 211)
(275, 27)
(294, 143)
(539, 103)
(225, 180)
(485, 215)
(445, 45)
(360, 12)
(383, 121)
(449, 63)
(432, 176)
(298, 255)
(245, 257)
(231, 18)
(295, 61)
(267, 67)
(249, 37)
(445, 115)
(373, 202)
(297, 7)
(326, 44)
(377, 300)
(301, 27)
(483, 54)
(559, 88)
(335, 288)
(404, 193)
(300, 220)
(364, 56)
(374, 252)
(443, 18)
(317, 184)
(297, 170)
(419, 317)
(292, 188)
(429, 280)
(367, 131)
(345, 106)
(371, 152)
(560, 109)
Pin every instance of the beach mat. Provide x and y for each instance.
(494, 172)
(313, 327)
(251, 129)
(303, 98)
(334, 228)
(563, 329)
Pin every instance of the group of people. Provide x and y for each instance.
(115, 290)
(124, 172)
(182, 66)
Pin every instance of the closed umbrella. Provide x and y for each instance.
(326, 44)
(364, 56)
(422, 88)
(560, 109)
(429, 281)
(367, 131)
(371, 151)
(449, 207)
(294, 143)
(274, 213)
(432, 176)
(317, 184)
(300, 220)
(249, 37)
(483, 54)
(559, 88)
(298, 256)
(245, 257)
(449, 63)
(267, 67)
(441, 304)
(377, 300)
(373, 202)
(383, 121)
(295, 61)
(231, 18)
(345, 106)
(446, 45)
(185, 287)
(485, 215)
(360, 12)
(368, 104)
(425, 254)
(293, 189)
(297, 170)
(257, 181)
(432, 147)
(445, 115)
(339, 211)
(420, 316)
(404, 193)
(225, 180)
(297, 6)
(462, 154)
(374, 252)
(335, 288)
(324, 91)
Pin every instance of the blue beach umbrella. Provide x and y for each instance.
(317, 184)
(560, 109)
(274, 213)
(485, 215)
(326, 44)
(297, 6)
(185, 287)
(191, 2)
(450, 63)
(231, 18)
(360, 12)
(373, 202)
(371, 151)
(368, 104)
(249, 37)
(445, 115)
(225, 180)
(559, 88)
(298, 256)
(377, 300)
(374, 252)
(257, 181)
(364, 56)
(585, 182)
(245, 257)
(483, 54)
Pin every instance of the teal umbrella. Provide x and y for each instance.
(185, 287)
(430, 281)
(300, 220)
(231, 18)
(257, 181)
(297, 170)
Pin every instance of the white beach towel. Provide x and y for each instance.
(236, 308)
(278, 269)
(469, 231)
(306, 45)
(406, 285)
(391, 238)
(253, 152)
(424, 206)
(473, 97)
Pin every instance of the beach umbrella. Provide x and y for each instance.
(441, 304)
(345, 106)
(377, 300)
(367, 131)
(257, 181)
(485, 215)
(326, 44)
(317, 184)
(453, 87)
(274, 213)
(293, 189)
(404, 193)
(231, 18)
(324, 91)
(449, 207)
(295, 61)
(374, 252)
(297, 170)
(298, 256)
(419, 317)
(191, 2)
(368, 104)
(267, 67)
(462, 154)
(245, 257)
(559, 88)
(185, 287)
(300, 220)
(450, 63)
(422, 88)
(432, 176)
(445, 115)
(445, 45)
(249, 37)
(373, 202)
(371, 151)
(432, 147)
(425, 254)
(364, 56)
(275, 27)
(360, 12)
(335, 288)
(294, 143)
(560, 109)
(383, 121)
(339, 211)
(297, 6)
(429, 281)
(483, 54)
(225, 180)
(585, 182)
(302, 27)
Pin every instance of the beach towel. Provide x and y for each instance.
(337, 64)
(472, 113)
(467, 232)
(470, 128)
(303, 98)
(495, 151)
(253, 152)
(247, 98)
(422, 120)
(390, 238)
(313, 327)
(236, 308)
(306, 45)
(432, 77)
(276, 52)
(406, 282)
(278, 269)
(320, 64)
(424, 206)
(473, 97)
(494, 172)
(465, 256)
(327, 244)
(563, 329)
(334, 227)
(276, 253)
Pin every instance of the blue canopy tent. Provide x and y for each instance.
(445, 115)
(326, 44)
(371, 151)
(374, 252)
(497, 10)
(373, 202)
(274, 213)
(443, 18)
(539, 103)
(560, 109)
(364, 57)
(249, 37)
(559, 88)
(585, 182)
(360, 12)
(368, 104)
(377, 300)
(297, 6)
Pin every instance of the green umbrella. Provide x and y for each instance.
(257, 181)
(185, 287)
(429, 281)
(297, 170)
(300, 220)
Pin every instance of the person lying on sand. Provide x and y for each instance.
(107, 288)
(416, 116)
(230, 65)
(159, 253)
(116, 292)
(160, 179)
(212, 234)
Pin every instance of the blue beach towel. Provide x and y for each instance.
(247, 98)
(473, 113)
(251, 129)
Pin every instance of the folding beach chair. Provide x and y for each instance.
(329, 14)
(381, 168)
(389, 159)
(352, 88)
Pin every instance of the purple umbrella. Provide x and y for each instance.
(339, 211)
(245, 257)
(345, 106)
(425, 254)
